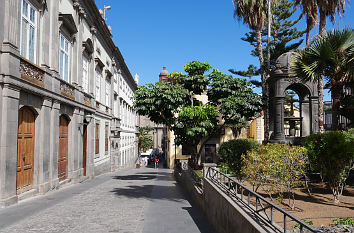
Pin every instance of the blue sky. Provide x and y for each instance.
(153, 34)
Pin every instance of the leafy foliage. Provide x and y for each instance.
(344, 221)
(174, 104)
(306, 221)
(231, 154)
(176, 77)
(276, 168)
(194, 123)
(283, 33)
(145, 139)
(161, 101)
(235, 100)
(331, 56)
(197, 68)
(332, 154)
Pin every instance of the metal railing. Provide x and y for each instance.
(242, 193)
(197, 180)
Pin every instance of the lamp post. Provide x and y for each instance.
(104, 11)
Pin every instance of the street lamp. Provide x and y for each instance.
(104, 11)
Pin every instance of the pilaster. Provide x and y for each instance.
(54, 144)
(44, 149)
(8, 145)
(53, 8)
(90, 168)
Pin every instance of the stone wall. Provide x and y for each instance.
(224, 214)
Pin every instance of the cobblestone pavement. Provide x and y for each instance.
(141, 200)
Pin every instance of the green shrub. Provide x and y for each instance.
(332, 154)
(344, 221)
(297, 225)
(276, 168)
(231, 152)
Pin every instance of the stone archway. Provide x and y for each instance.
(280, 81)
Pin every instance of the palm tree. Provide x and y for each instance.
(253, 13)
(326, 8)
(309, 8)
(332, 56)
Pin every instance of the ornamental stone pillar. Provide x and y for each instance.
(279, 119)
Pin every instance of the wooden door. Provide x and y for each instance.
(84, 146)
(25, 150)
(63, 148)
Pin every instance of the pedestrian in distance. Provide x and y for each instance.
(156, 159)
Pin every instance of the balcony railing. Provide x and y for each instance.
(31, 72)
(67, 90)
(87, 100)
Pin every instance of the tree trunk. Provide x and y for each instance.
(269, 30)
(307, 36)
(322, 31)
(335, 94)
(264, 86)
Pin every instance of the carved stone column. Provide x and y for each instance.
(279, 119)
(314, 114)
(306, 117)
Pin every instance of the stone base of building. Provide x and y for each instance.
(43, 188)
(102, 168)
(8, 201)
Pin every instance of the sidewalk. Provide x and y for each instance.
(132, 200)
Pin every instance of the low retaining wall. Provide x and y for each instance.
(223, 214)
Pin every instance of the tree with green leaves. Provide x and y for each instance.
(193, 124)
(161, 101)
(284, 37)
(283, 34)
(145, 139)
(323, 8)
(235, 100)
(175, 105)
(252, 13)
(331, 56)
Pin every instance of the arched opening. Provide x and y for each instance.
(25, 149)
(63, 148)
(292, 114)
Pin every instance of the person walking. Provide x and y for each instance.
(156, 159)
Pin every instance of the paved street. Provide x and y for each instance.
(132, 200)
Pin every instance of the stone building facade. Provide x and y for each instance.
(65, 91)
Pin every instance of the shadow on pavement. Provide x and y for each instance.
(199, 220)
(135, 177)
(144, 191)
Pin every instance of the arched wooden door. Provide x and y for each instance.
(25, 150)
(63, 148)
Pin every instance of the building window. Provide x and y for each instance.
(98, 85)
(106, 138)
(108, 92)
(28, 31)
(97, 138)
(64, 58)
(85, 74)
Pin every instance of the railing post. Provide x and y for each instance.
(205, 168)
